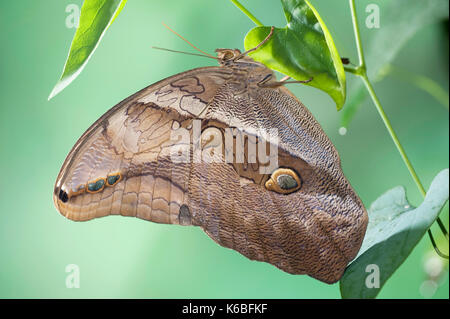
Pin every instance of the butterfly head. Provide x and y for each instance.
(229, 57)
(225, 55)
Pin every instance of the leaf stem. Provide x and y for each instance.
(362, 60)
(362, 73)
(246, 12)
(350, 69)
(391, 131)
(357, 70)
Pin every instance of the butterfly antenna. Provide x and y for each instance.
(188, 53)
(207, 54)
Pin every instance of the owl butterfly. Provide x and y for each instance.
(231, 150)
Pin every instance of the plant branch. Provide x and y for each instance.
(356, 70)
(362, 61)
(246, 12)
(351, 69)
(391, 131)
(362, 73)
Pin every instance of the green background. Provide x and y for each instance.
(130, 258)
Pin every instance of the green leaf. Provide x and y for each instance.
(303, 49)
(395, 228)
(96, 16)
(401, 20)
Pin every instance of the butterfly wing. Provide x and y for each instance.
(121, 164)
(125, 164)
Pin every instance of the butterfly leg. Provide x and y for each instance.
(266, 84)
(240, 56)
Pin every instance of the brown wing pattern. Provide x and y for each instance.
(124, 165)
(316, 230)
(131, 143)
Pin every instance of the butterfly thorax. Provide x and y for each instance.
(246, 72)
